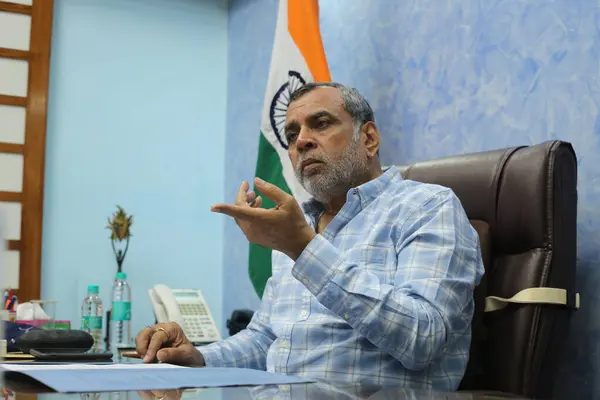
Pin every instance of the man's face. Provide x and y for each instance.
(327, 154)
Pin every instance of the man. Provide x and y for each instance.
(372, 279)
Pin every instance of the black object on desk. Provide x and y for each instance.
(60, 345)
(88, 356)
(12, 331)
(55, 340)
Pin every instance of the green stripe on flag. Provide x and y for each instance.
(268, 168)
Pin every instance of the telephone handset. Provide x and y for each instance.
(188, 308)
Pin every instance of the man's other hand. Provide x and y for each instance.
(167, 343)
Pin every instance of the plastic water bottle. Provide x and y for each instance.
(120, 315)
(91, 316)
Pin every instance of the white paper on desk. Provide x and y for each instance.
(125, 377)
(79, 366)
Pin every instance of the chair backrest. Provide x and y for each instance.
(523, 203)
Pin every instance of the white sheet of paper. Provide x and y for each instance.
(81, 366)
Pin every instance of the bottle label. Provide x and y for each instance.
(121, 311)
(91, 323)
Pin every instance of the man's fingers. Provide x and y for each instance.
(271, 191)
(160, 394)
(176, 355)
(167, 394)
(238, 212)
(142, 340)
(250, 196)
(146, 394)
(186, 355)
(240, 198)
(257, 202)
(253, 199)
(157, 341)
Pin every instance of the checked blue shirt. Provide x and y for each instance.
(383, 296)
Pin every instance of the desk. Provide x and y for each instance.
(308, 391)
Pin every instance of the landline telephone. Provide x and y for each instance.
(188, 308)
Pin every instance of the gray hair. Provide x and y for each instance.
(356, 105)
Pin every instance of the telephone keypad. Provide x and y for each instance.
(197, 320)
(193, 309)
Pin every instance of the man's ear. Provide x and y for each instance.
(372, 138)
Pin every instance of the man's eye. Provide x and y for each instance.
(323, 123)
(291, 137)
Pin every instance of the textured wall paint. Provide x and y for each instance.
(251, 29)
(447, 77)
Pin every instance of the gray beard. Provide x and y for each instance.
(336, 177)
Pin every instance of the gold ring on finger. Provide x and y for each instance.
(160, 329)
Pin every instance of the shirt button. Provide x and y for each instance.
(303, 313)
(305, 280)
(347, 316)
(284, 343)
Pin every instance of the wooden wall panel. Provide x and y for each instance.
(17, 70)
(35, 150)
(11, 212)
(11, 165)
(15, 7)
(25, 37)
(12, 124)
(15, 31)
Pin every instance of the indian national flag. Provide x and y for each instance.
(298, 57)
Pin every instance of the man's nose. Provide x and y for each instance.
(305, 143)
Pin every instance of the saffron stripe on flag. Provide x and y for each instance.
(303, 25)
(297, 58)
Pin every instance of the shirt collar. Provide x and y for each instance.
(367, 192)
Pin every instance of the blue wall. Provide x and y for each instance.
(446, 77)
(136, 118)
(249, 52)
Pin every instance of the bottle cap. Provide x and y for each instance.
(121, 275)
(93, 289)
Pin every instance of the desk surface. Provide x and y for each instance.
(23, 391)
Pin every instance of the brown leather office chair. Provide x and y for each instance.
(523, 203)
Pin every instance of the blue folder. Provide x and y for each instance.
(140, 377)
